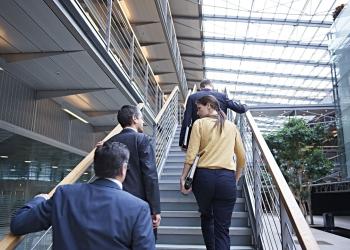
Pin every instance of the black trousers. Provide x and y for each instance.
(215, 192)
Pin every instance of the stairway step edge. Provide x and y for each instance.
(171, 214)
(192, 200)
(180, 230)
(197, 247)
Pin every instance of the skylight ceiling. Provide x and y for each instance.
(269, 51)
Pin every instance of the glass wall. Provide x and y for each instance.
(340, 52)
(29, 167)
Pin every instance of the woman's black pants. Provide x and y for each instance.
(215, 192)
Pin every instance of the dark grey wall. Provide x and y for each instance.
(19, 107)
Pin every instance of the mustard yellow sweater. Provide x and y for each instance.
(216, 151)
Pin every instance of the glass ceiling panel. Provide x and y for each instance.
(294, 45)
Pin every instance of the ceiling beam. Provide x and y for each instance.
(100, 113)
(269, 42)
(259, 59)
(272, 74)
(253, 84)
(144, 44)
(266, 20)
(246, 93)
(45, 94)
(279, 107)
(163, 73)
(151, 60)
(17, 57)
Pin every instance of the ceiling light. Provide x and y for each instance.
(54, 167)
(4, 156)
(86, 173)
(27, 161)
(76, 116)
(12, 170)
(1, 69)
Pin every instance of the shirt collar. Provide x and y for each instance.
(131, 128)
(116, 182)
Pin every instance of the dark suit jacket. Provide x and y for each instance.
(191, 116)
(98, 215)
(142, 178)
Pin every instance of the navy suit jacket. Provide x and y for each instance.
(190, 115)
(142, 178)
(98, 215)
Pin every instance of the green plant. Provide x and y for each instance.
(297, 150)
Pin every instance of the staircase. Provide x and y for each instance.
(180, 225)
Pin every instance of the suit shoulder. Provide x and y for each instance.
(133, 200)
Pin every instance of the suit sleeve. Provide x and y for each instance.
(32, 217)
(236, 106)
(149, 174)
(186, 120)
(142, 235)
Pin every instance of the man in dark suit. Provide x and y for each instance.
(142, 178)
(190, 115)
(97, 215)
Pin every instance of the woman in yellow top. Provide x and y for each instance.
(216, 141)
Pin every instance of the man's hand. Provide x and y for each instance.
(183, 190)
(156, 220)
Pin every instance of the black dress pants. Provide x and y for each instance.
(215, 192)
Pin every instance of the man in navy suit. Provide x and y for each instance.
(190, 115)
(142, 178)
(98, 215)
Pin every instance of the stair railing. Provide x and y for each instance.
(278, 222)
(165, 127)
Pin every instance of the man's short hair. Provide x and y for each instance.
(205, 83)
(109, 159)
(126, 115)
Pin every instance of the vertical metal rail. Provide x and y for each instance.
(165, 125)
(169, 30)
(107, 18)
(278, 222)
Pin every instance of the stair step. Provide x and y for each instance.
(174, 191)
(190, 204)
(174, 186)
(192, 218)
(193, 235)
(195, 247)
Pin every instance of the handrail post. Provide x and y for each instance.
(108, 28)
(146, 85)
(257, 191)
(132, 50)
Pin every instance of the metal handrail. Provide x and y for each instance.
(10, 241)
(279, 222)
(111, 24)
(165, 127)
(169, 29)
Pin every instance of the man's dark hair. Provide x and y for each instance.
(205, 83)
(126, 115)
(109, 159)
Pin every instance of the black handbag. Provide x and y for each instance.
(189, 177)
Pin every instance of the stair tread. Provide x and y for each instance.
(196, 214)
(199, 247)
(189, 199)
(197, 230)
